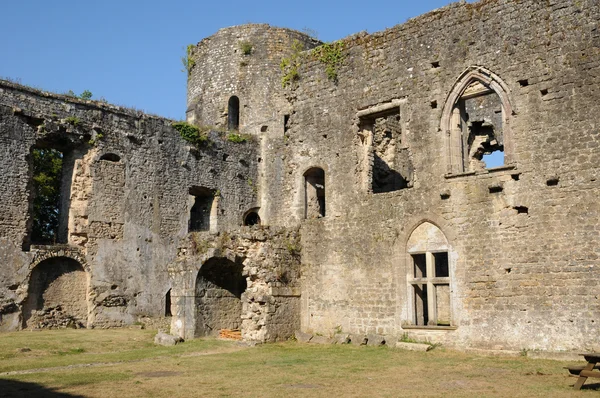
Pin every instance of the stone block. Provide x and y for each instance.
(375, 340)
(358, 339)
(322, 340)
(303, 337)
(166, 339)
(341, 338)
(413, 346)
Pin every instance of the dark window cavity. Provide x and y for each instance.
(233, 113)
(252, 218)
(168, 303)
(200, 213)
(314, 193)
(110, 157)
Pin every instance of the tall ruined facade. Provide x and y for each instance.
(360, 198)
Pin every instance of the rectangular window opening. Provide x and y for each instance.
(430, 289)
(420, 265)
(46, 196)
(202, 208)
(442, 297)
(441, 265)
(421, 305)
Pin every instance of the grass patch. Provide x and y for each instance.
(213, 368)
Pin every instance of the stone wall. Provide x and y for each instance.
(269, 260)
(524, 237)
(403, 230)
(125, 201)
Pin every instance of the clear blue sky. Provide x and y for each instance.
(129, 51)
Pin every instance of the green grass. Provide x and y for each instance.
(54, 348)
(125, 363)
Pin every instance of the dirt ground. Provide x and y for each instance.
(125, 363)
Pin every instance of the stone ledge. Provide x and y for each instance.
(285, 291)
(424, 328)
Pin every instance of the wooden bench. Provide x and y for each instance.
(592, 369)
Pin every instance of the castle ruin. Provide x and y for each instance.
(330, 187)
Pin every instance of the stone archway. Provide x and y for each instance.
(57, 295)
(218, 304)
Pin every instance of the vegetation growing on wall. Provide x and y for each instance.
(47, 170)
(246, 47)
(289, 65)
(331, 54)
(74, 120)
(187, 60)
(191, 133)
(86, 95)
(237, 138)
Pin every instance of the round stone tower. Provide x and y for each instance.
(235, 80)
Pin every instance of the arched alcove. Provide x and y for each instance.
(429, 276)
(233, 113)
(476, 122)
(251, 217)
(219, 288)
(57, 295)
(314, 193)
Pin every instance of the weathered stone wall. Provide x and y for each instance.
(222, 70)
(520, 241)
(525, 247)
(125, 199)
(270, 304)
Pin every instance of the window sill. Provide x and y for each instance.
(429, 327)
(493, 170)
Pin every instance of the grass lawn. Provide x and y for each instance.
(125, 363)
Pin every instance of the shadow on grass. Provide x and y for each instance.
(591, 386)
(14, 388)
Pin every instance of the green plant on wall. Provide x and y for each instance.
(236, 138)
(332, 55)
(96, 139)
(187, 60)
(191, 133)
(289, 65)
(74, 120)
(246, 47)
(86, 95)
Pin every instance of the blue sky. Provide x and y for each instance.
(129, 51)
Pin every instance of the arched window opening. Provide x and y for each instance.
(252, 218)
(479, 116)
(476, 121)
(429, 277)
(56, 297)
(314, 193)
(233, 113)
(202, 208)
(110, 157)
(219, 288)
(168, 303)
